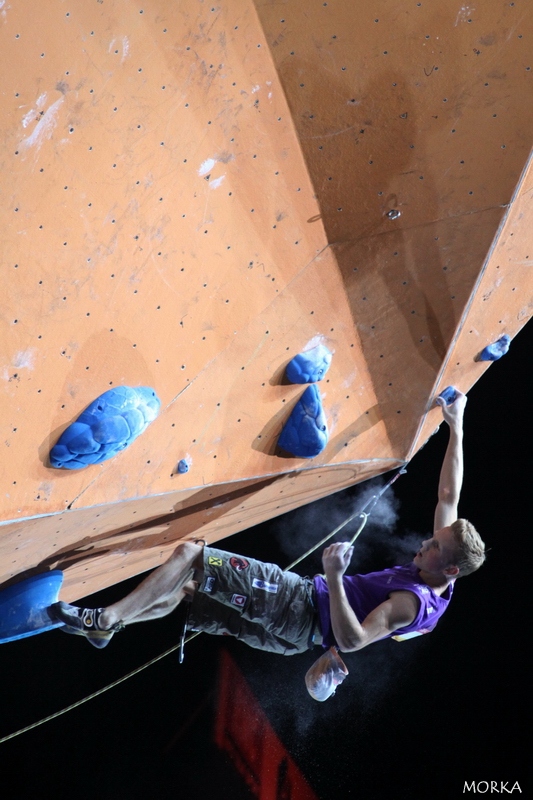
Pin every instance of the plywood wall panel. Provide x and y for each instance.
(126, 197)
(407, 291)
(194, 193)
(401, 95)
(501, 301)
(229, 419)
(392, 99)
(97, 547)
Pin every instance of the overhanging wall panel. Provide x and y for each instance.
(502, 301)
(419, 107)
(97, 547)
(192, 194)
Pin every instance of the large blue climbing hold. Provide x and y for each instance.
(449, 395)
(492, 352)
(107, 426)
(309, 366)
(305, 433)
(23, 606)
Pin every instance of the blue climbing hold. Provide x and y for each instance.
(449, 395)
(305, 434)
(23, 606)
(310, 366)
(492, 352)
(107, 426)
(183, 466)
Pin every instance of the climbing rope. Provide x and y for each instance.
(90, 696)
(363, 514)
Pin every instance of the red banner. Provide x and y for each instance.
(244, 732)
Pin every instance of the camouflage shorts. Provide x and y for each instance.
(256, 602)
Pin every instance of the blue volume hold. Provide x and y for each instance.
(23, 606)
(310, 366)
(107, 426)
(493, 352)
(449, 395)
(305, 433)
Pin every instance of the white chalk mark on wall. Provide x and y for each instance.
(24, 359)
(27, 118)
(44, 128)
(216, 183)
(318, 339)
(125, 42)
(206, 167)
(347, 382)
(463, 14)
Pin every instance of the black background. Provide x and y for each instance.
(413, 720)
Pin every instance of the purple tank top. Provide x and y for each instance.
(366, 592)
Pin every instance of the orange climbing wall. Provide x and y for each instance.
(193, 193)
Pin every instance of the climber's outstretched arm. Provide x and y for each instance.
(451, 474)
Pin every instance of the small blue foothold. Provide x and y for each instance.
(107, 426)
(183, 467)
(496, 350)
(309, 366)
(449, 395)
(305, 434)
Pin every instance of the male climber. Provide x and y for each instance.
(281, 612)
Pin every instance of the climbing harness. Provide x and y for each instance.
(336, 672)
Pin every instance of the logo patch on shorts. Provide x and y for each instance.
(238, 563)
(209, 584)
(268, 587)
(214, 561)
(238, 599)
